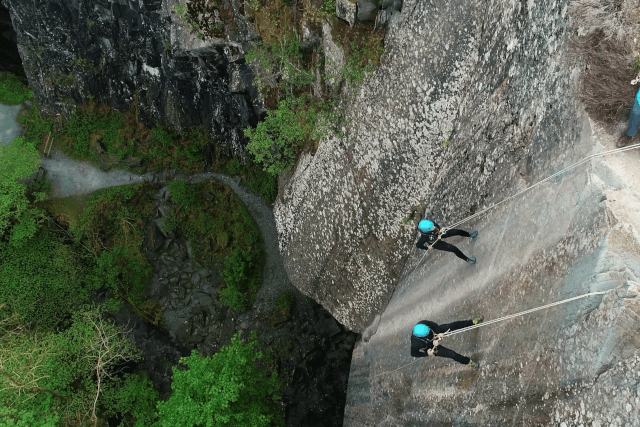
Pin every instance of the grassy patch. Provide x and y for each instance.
(13, 91)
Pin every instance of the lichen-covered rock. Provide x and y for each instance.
(334, 56)
(140, 54)
(470, 97)
(346, 10)
(367, 10)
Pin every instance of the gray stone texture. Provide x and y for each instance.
(492, 78)
(120, 52)
(346, 10)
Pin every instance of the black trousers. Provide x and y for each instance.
(443, 246)
(445, 352)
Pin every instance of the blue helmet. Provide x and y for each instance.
(421, 330)
(425, 225)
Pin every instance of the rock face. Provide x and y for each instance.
(139, 54)
(569, 365)
(472, 99)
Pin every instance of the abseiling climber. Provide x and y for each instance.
(423, 343)
(431, 239)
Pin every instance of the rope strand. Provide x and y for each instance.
(604, 153)
(490, 322)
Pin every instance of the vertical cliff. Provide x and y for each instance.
(473, 99)
(139, 55)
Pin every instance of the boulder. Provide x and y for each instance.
(346, 10)
(334, 56)
(367, 10)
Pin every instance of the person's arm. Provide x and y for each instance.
(422, 242)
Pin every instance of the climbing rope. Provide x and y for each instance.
(604, 153)
(490, 322)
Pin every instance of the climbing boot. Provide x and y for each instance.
(471, 260)
(473, 234)
(473, 364)
(624, 141)
(477, 320)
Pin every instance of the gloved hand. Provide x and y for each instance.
(432, 351)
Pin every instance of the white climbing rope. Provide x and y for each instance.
(604, 153)
(522, 313)
(490, 322)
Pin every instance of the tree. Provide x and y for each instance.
(19, 220)
(60, 374)
(226, 389)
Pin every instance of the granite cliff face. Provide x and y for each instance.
(141, 55)
(472, 99)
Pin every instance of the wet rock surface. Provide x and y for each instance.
(142, 54)
(566, 238)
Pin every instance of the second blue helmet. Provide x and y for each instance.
(425, 225)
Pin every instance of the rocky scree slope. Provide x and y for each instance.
(139, 55)
(473, 98)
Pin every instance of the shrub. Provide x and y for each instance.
(239, 280)
(12, 90)
(18, 218)
(132, 396)
(170, 222)
(42, 280)
(226, 389)
(284, 302)
(162, 137)
(36, 128)
(12, 417)
(273, 141)
(606, 29)
(183, 194)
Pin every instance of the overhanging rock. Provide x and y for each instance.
(474, 99)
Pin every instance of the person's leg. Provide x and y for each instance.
(454, 326)
(634, 118)
(445, 352)
(455, 232)
(443, 246)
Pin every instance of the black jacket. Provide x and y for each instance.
(423, 343)
(428, 238)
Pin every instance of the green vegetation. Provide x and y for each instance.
(49, 376)
(287, 77)
(95, 127)
(233, 235)
(42, 281)
(272, 142)
(12, 90)
(18, 218)
(226, 389)
(132, 395)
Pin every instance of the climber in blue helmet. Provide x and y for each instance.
(429, 239)
(423, 344)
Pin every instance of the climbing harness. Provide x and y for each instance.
(604, 153)
(479, 325)
(439, 238)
